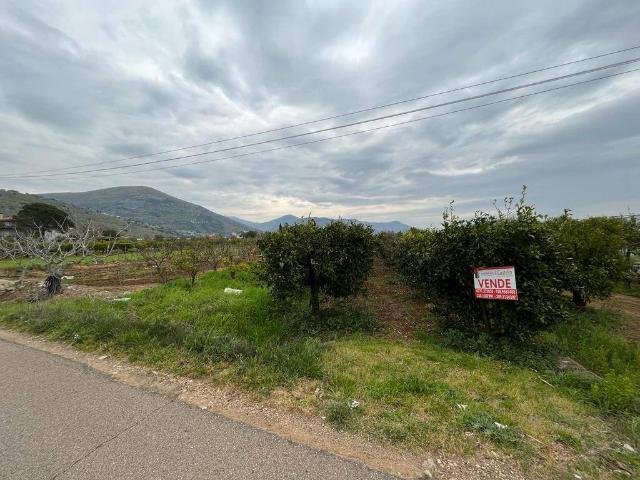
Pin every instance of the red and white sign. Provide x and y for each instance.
(495, 283)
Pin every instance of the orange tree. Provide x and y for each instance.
(333, 260)
(441, 261)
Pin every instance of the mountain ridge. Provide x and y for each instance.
(153, 207)
(11, 201)
(271, 225)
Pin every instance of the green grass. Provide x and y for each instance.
(447, 391)
(12, 265)
(633, 289)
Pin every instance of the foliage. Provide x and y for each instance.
(109, 233)
(42, 216)
(593, 249)
(388, 246)
(441, 263)
(249, 234)
(334, 260)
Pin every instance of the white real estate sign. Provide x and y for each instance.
(495, 283)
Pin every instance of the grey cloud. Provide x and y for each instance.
(109, 82)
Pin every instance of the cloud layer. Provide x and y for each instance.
(88, 83)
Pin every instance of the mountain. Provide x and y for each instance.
(11, 201)
(272, 225)
(153, 208)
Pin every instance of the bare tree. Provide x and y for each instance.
(54, 248)
(159, 259)
(193, 256)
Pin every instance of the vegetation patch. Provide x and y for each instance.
(430, 391)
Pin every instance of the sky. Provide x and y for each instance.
(96, 82)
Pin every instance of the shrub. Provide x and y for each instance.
(334, 260)
(388, 245)
(441, 262)
(593, 250)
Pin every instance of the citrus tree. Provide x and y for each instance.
(333, 260)
(441, 262)
(594, 249)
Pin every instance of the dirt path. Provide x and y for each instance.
(629, 307)
(397, 308)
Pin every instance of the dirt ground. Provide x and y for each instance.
(397, 308)
(629, 307)
(105, 281)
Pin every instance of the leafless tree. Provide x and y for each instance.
(158, 258)
(53, 247)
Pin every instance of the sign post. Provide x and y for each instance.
(495, 283)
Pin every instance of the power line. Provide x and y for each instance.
(355, 112)
(337, 127)
(370, 130)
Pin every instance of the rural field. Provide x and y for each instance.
(379, 363)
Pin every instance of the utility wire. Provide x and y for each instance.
(370, 130)
(355, 112)
(337, 127)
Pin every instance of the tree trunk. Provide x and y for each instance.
(314, 300)
(53, 284)
(579, 298)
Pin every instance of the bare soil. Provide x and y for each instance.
(629, 307)
(104, 281)
(398, 309)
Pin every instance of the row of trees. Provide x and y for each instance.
(556, 260)
(190, 257)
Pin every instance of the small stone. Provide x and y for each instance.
(428, 467)
(103, 357)
(500, 425)
(629, 448)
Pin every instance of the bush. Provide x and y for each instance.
(388, 246)
(593, 250)
(334, 260)
(441, 262)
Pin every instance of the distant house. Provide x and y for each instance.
(7, 225)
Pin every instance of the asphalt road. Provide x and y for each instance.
(63, 420)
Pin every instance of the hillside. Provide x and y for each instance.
(11, 201)
(272, 225)
(152, 207)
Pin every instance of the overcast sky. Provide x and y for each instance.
(84, 82)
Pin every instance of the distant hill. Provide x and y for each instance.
(11, 201)
(272, 225)
(152, 207)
